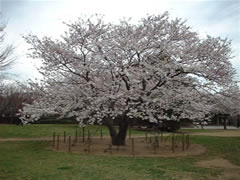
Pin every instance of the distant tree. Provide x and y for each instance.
(102, 72)
(6, 59)
(9, 97)
(227, 104)
(12, 98)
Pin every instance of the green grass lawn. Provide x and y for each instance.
(41, 130)
(46, 130)
(34, 161)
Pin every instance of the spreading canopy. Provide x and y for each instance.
(100, 70)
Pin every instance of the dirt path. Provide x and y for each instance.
(100, 147)
(229, 171)
(141, 148)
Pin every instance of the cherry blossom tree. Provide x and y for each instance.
(103, 72)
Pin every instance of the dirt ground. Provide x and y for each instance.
(229, 171)
(140, 147)
(221, 133)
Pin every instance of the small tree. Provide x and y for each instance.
(102, 72)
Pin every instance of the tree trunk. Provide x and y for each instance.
(217, 119)
(225, 123)
(118, 138)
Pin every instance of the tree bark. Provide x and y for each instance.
(225, 123)
(118, 138)
(217, 119)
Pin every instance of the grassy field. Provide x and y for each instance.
(46, 130)
(39, 130)
(33, 160)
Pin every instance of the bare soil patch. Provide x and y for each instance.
(221, 133)
(229, 170)
(217, 163)
(141, 148)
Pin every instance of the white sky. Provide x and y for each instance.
(45, 17)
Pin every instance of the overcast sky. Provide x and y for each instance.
(45, 17)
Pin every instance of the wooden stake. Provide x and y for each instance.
(183, 142)
(173, 143)
(57, 142)
(161, 136)
(89, 134)
(69, 144)
(64, 136)
(76, 136)
(154, 147)
(133, 146)
(129, 133)
(53, 142)
(83, 134)
(156, 141)
(187, 141)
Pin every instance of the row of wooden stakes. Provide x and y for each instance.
(185, 140)
(56, 138)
